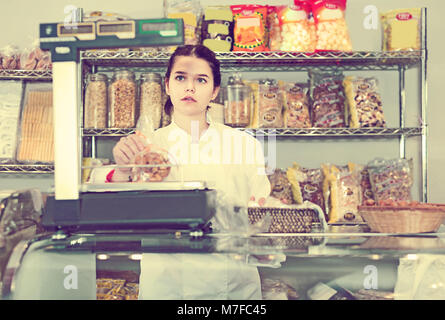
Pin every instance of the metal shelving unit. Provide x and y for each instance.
(156, 60)
(30, 75)
(26, 75)
(27, 168)
(288, 132)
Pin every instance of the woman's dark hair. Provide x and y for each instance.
(198, 51)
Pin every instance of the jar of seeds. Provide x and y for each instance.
(122, 100)
(95, 112)
(151, 97)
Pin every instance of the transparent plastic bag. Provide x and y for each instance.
(270, 106)
(231, 218)
(332, 30)
(280, 186)
(157, 159)
(273, 26)
(364, 102)
(21, 210)
(401, 29)
(10, 99)
(328, 100)
(10, 57)
(345, 195)
(36, 141)
(296, 105)
(273, 289)
(190, 11)
(391, 179)
(295, 29)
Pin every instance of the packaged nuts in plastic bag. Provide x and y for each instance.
(296, 105)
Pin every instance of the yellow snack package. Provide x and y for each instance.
(345, 195)
(401, 29)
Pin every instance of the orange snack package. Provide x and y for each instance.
(250, 27)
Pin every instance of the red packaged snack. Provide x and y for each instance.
(332, 30)
(250, 27)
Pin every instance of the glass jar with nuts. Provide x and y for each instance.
(96, 102)
(122, 100)
(151, 97)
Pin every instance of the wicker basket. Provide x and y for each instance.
(286, 220)
(403, 219)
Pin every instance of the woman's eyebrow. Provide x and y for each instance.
(185, 73)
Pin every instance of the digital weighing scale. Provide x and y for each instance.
(74, 207)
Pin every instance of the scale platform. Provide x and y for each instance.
(120, 209)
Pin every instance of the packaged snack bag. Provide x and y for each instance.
(364, 102)
(307, 185)
(328, 100)
(401, 29)
(296, 104)
(345, 195)
(332, 30)
(391, 179)
(217, 28)
(280, 186)
(250, 27)
(273, 28)
(295, 28)
(270, 106)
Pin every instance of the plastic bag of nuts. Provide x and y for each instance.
(273, 25)
(332, 30)
(296, 105)
(391, 179)
(270, 106)
(364, 102)
(295, 29)
(96, 102)
(159, 161)
(122, 100)
(10, 57)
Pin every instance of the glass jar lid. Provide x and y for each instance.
(98, 77)
(151, 76)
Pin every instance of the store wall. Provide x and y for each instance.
(23, 16)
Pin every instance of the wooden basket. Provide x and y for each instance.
(402, 219)
(286, 220)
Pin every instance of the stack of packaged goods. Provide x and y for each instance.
(37, 130)
(217, 29)
(10, 99)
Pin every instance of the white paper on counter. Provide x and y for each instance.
(189, 276)
(421, 277)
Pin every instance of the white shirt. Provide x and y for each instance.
(226, 159)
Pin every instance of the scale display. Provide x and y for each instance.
(66, 40)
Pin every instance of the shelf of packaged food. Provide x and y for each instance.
(27, 168)
(26, 75)
(275, 60)
(289, 132)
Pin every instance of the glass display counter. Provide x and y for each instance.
(175, 266)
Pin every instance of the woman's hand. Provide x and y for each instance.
(125, 151)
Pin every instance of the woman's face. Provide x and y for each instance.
(191, 86)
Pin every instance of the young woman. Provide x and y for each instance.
(226, 159)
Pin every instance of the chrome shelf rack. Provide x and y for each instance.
(27, 168)
(30, 75)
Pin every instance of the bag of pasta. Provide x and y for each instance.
(296, 105)
(250, 27)
(401, 29)
(332, 30)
